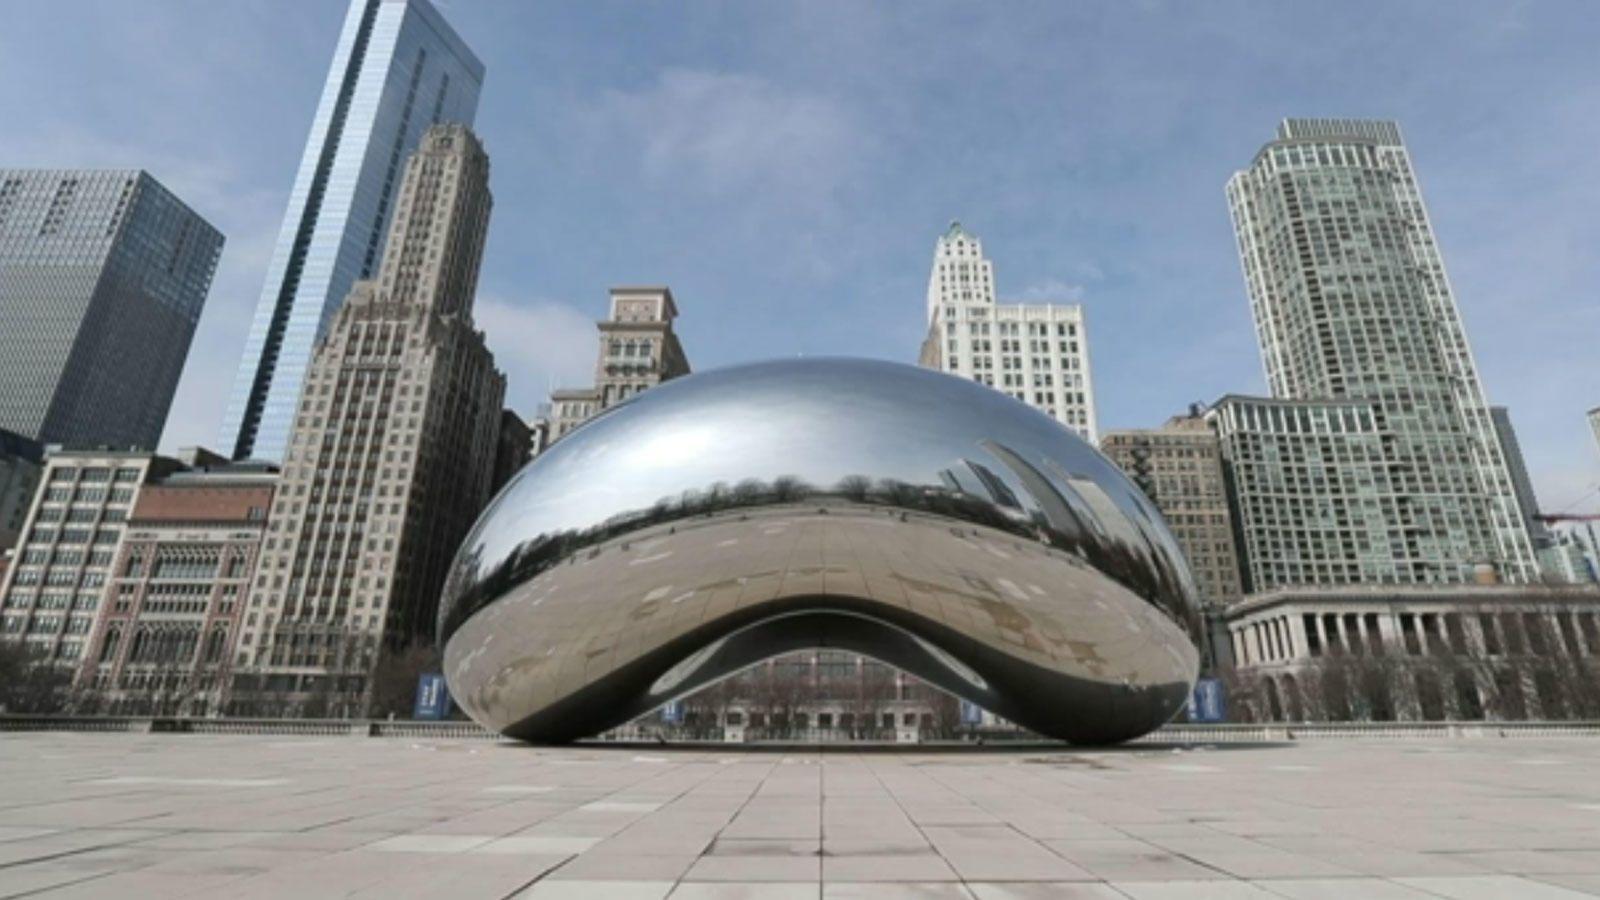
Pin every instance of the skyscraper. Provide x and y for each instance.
(1351, 302)
(1521, 482)
(102, 277)
(1036, 352)
(398, 68)
(392, 451)
(513, 449)
(1312, 493)
(1594, 424)
(638, 350)
(1179, 467)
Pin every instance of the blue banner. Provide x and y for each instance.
(1207, 703)
(672, 712)
(971, 713)
(433, 698)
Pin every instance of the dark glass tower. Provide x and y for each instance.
(102, 278)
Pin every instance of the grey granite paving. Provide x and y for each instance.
(101, 815)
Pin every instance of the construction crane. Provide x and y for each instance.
(1568, 517)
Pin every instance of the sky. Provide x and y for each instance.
(786, 169)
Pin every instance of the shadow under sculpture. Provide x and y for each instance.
(917, 518)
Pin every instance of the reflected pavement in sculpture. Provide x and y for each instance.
(914, 517)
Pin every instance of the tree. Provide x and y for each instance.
(394, 678)
(29, 681)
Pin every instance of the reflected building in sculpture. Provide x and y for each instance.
(862, 507)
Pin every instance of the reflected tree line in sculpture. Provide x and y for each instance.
(1125, 563)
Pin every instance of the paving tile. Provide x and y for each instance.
(16, 833)
(845, 890)
(1044, 890)
(596, 890)
(1491, 887)
(430, 843)
(1130, 860)
(623, 867)
(1192, 890)
(753, 890)
(755, 868)
(425, 819)
(535, 844)
(1342, 889)
(750, 847)
(907, 867)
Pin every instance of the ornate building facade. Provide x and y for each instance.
(392, 453)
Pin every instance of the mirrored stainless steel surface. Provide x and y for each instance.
(911, 516)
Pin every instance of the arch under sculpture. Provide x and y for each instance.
(914, 517)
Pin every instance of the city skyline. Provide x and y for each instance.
(1142, 241)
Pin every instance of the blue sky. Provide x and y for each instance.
(786, 168)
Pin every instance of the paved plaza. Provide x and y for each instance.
(118, 815)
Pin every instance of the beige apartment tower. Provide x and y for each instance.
(391, 455)
(638, 350)
(1179, 467)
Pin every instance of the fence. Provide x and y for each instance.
(464, 730)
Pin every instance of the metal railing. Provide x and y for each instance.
(466, 730)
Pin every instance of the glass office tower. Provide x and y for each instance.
(398, 69)
(102, 277)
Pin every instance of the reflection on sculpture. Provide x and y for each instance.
(920, 519)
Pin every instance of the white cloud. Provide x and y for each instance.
(540, 345)
(732, 133)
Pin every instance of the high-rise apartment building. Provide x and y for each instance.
(397, 69)
(638, 350)
(1521, 482)
(392, 451)
(1179, 467)
(1351, 303)
(1311, 491)
(163, 642)
(1574, 554)
(1036, 352)
(102, 278)
(21, 461)
(51, 594)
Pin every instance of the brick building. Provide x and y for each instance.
(164, 640)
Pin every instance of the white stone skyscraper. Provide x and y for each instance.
(1351, 303)
(1036, 352)
(397, 69)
